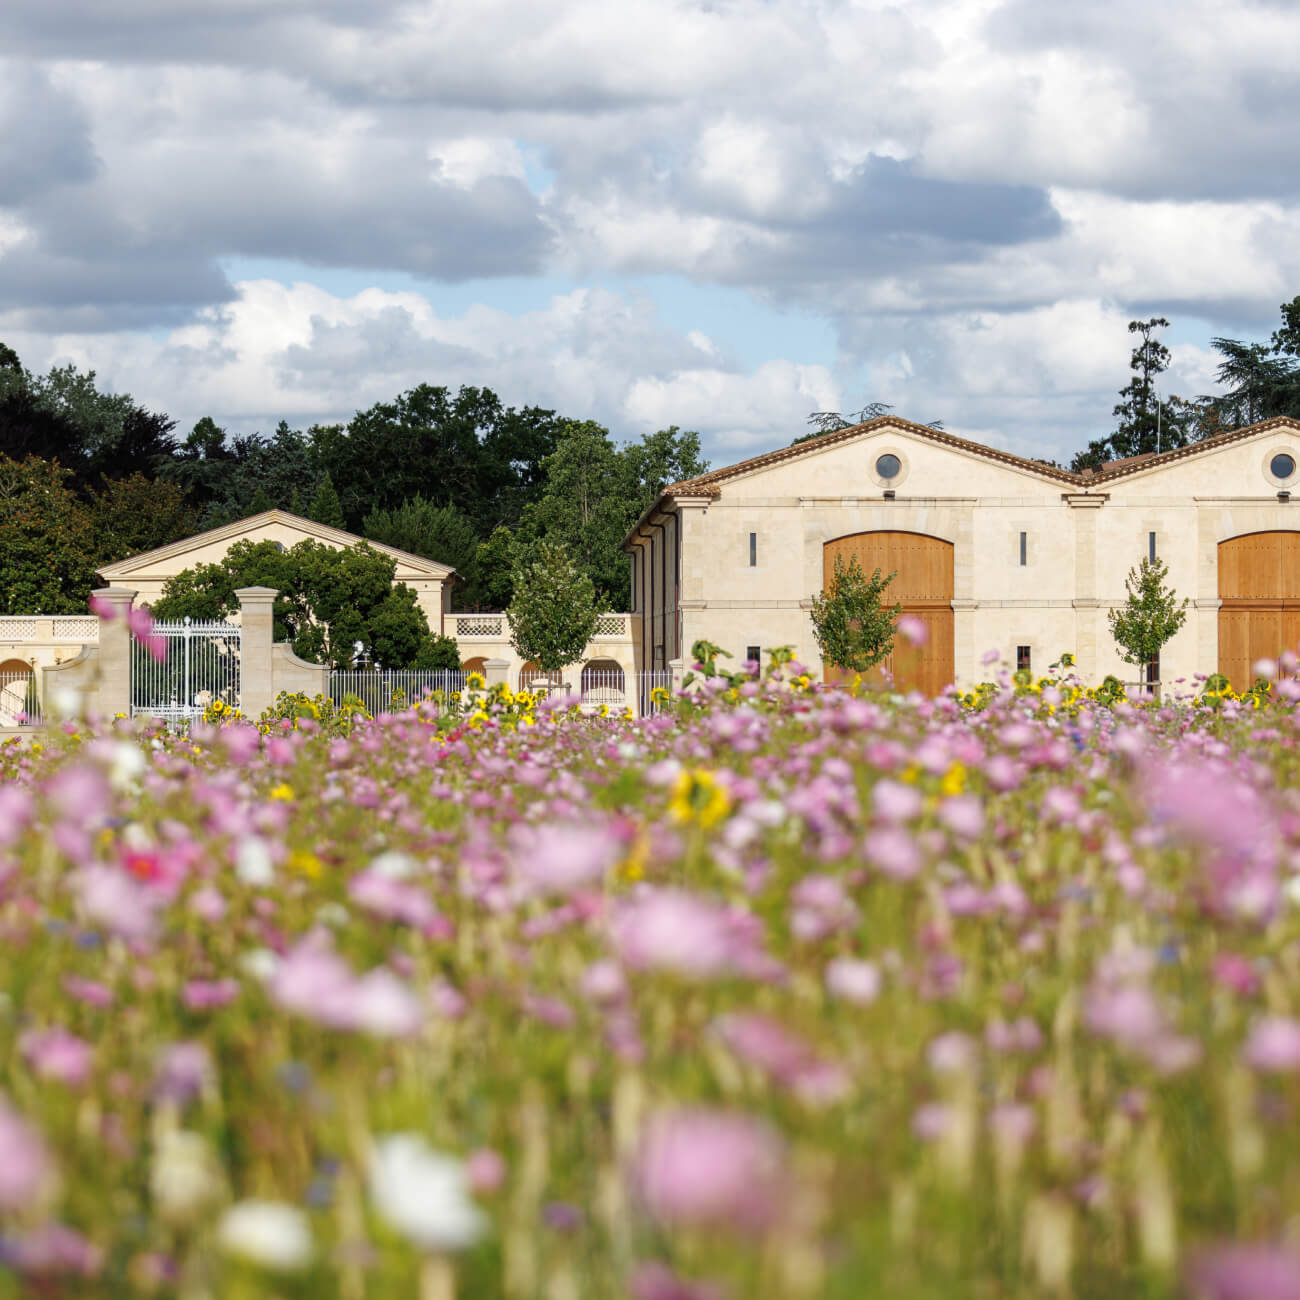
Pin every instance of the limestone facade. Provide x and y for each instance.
(147, 573)
(735, 555)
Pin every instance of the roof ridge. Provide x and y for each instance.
(853, 430)
(274, 515)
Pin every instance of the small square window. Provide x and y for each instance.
(1151, 547)
(753, 550)
(1022, 659)
(1024, 548)
(754, 652)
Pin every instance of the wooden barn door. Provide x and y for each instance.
(1259, 585)
(924, 588)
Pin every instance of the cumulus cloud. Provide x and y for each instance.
(938, 180)
(304, 354)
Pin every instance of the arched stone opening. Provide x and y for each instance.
(603, 682)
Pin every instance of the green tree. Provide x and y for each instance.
(495, 565)
(325, 508)
(467, 450)
(260, 502)
(1150, 616)
(854, 631)
(442, 654)
(334, 605)
(594, 492)
(554, 610)
(137, 514)
(586, 505)
(47, 540)
(440, 533)
(1147, 423)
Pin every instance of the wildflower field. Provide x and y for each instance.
(783, 992)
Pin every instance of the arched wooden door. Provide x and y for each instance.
(924, 588)
(1259, 585)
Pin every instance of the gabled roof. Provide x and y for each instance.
(1133, 464)
(701, 484)
(244, 527)
(708, 485)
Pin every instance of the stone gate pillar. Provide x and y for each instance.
(113, 694)
(256, 669)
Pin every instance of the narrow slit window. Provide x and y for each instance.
(1151, 547)
(754, 652)
(1024, 549)
(1023, 659)
(753, 550)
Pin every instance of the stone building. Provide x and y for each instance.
(991, 551)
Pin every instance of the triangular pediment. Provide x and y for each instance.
(289, 527)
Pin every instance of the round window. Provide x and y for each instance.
(888, 465)
(1281, 466)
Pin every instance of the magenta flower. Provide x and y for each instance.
(205, 995)
(913, 629)
(559, 858)
(659, 1282)
(52, 1250)
(1273, 1045)
(485, 1171)
(672, 930)
(57, 1054)
(710, 1168)
(101, 608)
(139, 619)
(25, 1166)
(1242, 1271)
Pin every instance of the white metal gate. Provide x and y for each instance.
(199, 667)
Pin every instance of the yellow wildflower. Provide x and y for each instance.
(305, 863)
(954, 779)
(283, 792)
(697, 797)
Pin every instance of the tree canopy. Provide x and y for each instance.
(336, 606)
(1149, 617)
(853, 629)
(554, 610)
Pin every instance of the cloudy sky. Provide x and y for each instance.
(721, 214)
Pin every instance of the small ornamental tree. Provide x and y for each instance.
(1150, 616)
(553, 612)
(854, 630)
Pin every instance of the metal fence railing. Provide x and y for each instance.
(20, 703)
(188, 667)
(593, 688)
(386, 691)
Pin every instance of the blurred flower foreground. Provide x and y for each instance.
(781, 992)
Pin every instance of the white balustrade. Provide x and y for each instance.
(484, 625)
(19, 629)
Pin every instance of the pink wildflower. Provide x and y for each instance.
(672, 930)
(1245, 1271)
(913, 629)
(1274, 1045)
(25, 1166)
(204, 995)
(710, 1168)
(57, 1054)
(559, 858)
(853, 980)
(485, 1171)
